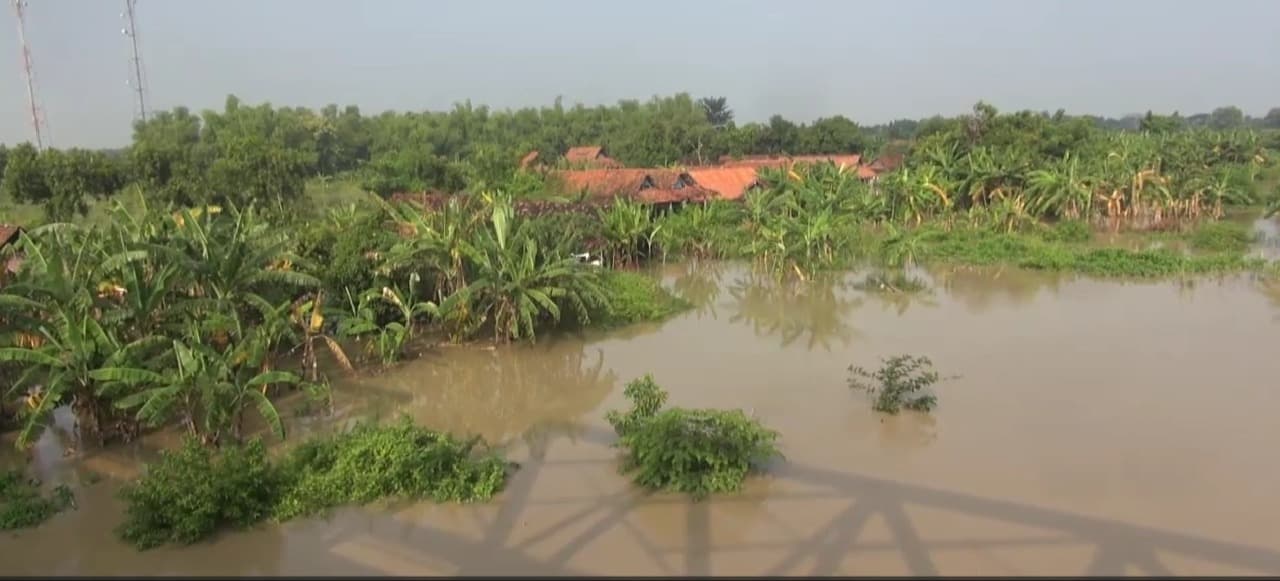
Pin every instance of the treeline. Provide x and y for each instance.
(266, 154)
(1221, 119)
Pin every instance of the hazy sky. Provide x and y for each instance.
(871, 61)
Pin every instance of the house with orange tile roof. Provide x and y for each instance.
(589, 156)
(728, 183)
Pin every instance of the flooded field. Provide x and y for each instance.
(1096, 428)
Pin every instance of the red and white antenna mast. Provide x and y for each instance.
(131, 30)
(37, 125)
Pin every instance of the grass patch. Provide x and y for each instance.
(340, 191)
(193, 492)
(635, 298)
(1221, 237)
(1034, 252)
(395, 461)
(1068, 232)
(22, 505)
(699, 452)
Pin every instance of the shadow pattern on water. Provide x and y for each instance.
(828, 547)
(567, 512)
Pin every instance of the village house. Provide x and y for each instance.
(589, 156)
(847, 160)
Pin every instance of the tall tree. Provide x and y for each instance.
(61, 181)
(717, 110)
(1160, 123)
(1226, 118)
(1272, 119)
(833, 135)
(780, 136)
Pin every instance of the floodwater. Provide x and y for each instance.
(1095, 428)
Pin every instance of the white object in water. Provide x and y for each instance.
(586, 258)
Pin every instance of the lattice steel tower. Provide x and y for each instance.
(139, 87)
(37, 122)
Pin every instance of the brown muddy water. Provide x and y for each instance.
(1096, 428)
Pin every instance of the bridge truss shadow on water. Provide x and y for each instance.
(830, 545)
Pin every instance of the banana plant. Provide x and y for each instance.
(208, 390)
(516, 284)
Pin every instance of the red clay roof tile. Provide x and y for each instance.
(583, 153)
(730, 183)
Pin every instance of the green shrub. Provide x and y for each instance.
(22, 505)
(1119, 262)
(1221, 237)
(338, 249)
(634, 298)
(901, 383)
(1069, 231)
(566, 232)
(698, 452)
(400, 460)
(1029, 251)
(192, 492)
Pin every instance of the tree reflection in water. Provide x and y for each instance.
(900, 301)
(1269, 286)
(498, 393)
(699, 283)
(816, 311)
(980, 288)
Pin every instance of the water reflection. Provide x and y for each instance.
(699, 283)
(496, 393)
(1025, 472)
(1267, 231)
(980, 288)
(901, 301)
(1270, 288)
(814, 313)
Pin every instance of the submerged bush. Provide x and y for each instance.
(1118, 262)
(901, 383)
(22, 505)
(1026, 251)
(193, 492)
(400, 460)
(635, 298)
(893, 281)
(1069, 231)
(699, 452)
(1221, 237)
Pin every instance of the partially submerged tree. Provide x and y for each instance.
(699, 452)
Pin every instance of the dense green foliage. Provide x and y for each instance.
(902, 382)
(1221, 237)
(635, 298)
(373, 462)
(264, 154)
(193, 492)
(152, 319)
(1028, 250)
(60, 181)
(698, 452)
(22, 505)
